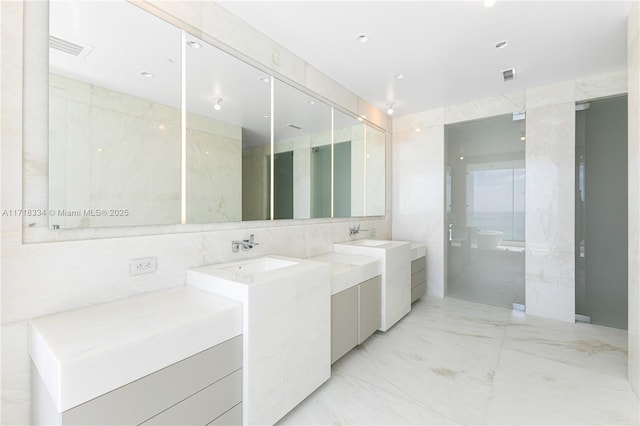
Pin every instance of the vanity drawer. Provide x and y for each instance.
(205, 406)
(231, 417)
(418, 291)
(144, 398)
(344, 322)
(418, 264)
(418, 278)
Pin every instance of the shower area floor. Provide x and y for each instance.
(493, 277)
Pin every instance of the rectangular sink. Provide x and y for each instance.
(286, 328)
(252, 271)
(349, 270)
(372, 243)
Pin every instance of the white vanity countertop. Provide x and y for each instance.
(348, 270)
(84, 353)
(418, 250)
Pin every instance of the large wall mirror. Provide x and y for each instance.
(132, 141)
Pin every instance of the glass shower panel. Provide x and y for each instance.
(485, 173)
(601, 212)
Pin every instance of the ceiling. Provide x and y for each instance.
(445, 49)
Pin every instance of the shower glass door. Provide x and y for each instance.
(485, 178)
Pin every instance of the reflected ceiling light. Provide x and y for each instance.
(311, 102)
(99, 149)
(361, 118)
(501, 44)
(217, 104)
(523, 138)
(489, 3)
(146, 74)
(399, 76)
(417, 129)
(194, 44)
(264, 79)
(461, 154)
(362, 38)
(161, 126)
(265, 116)
(390, 109)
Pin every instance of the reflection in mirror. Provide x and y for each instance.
(348, 186)
(375, 157)
(228, 136)
(114, 116)
(302, 131)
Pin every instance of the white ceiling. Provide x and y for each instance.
(445, 48)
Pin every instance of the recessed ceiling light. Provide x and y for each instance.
(362, 38)
(501, 44)
(194, 44)
(417, 129)
(146, 74)
(399, 76)
(218, 104)
(265, 116)
(99, 149)
(523, 138)
(489, 3)
(161, 126)
(264, 79)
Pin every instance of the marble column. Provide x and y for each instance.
(550, 211)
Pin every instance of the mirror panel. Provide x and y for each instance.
(115, 131)
(228, 136)
(114, 116)
(302, 130)
(348, 192)
(375, 164)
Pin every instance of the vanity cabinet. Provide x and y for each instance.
(202, 389)
(418, 278)
(355, 315)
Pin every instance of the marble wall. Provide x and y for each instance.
(418, 184)
(46, 271)
(633, 63)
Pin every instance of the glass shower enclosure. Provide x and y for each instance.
(485, 210)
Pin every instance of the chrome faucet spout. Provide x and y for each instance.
(244, 244)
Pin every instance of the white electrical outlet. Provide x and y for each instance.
(143, 265)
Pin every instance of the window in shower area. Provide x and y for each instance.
(485, 210)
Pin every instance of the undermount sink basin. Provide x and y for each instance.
(252, 271)
(250, 267)
(372, 243)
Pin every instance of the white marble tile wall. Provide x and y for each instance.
(418, 188)
(550, 212)
(633, 63)
(43, 277)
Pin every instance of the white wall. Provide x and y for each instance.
(51, 276)
(634, 196)
(418, 184)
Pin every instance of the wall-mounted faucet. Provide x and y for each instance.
(355, 230)
(244, 244)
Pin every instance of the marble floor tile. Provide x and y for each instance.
(451, 361)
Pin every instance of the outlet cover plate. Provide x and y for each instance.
(143, 265)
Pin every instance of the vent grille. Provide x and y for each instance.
(67, 46)
(294, 126)
(508, 74)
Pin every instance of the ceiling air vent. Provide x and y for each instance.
(508, 74)
(69, 47)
